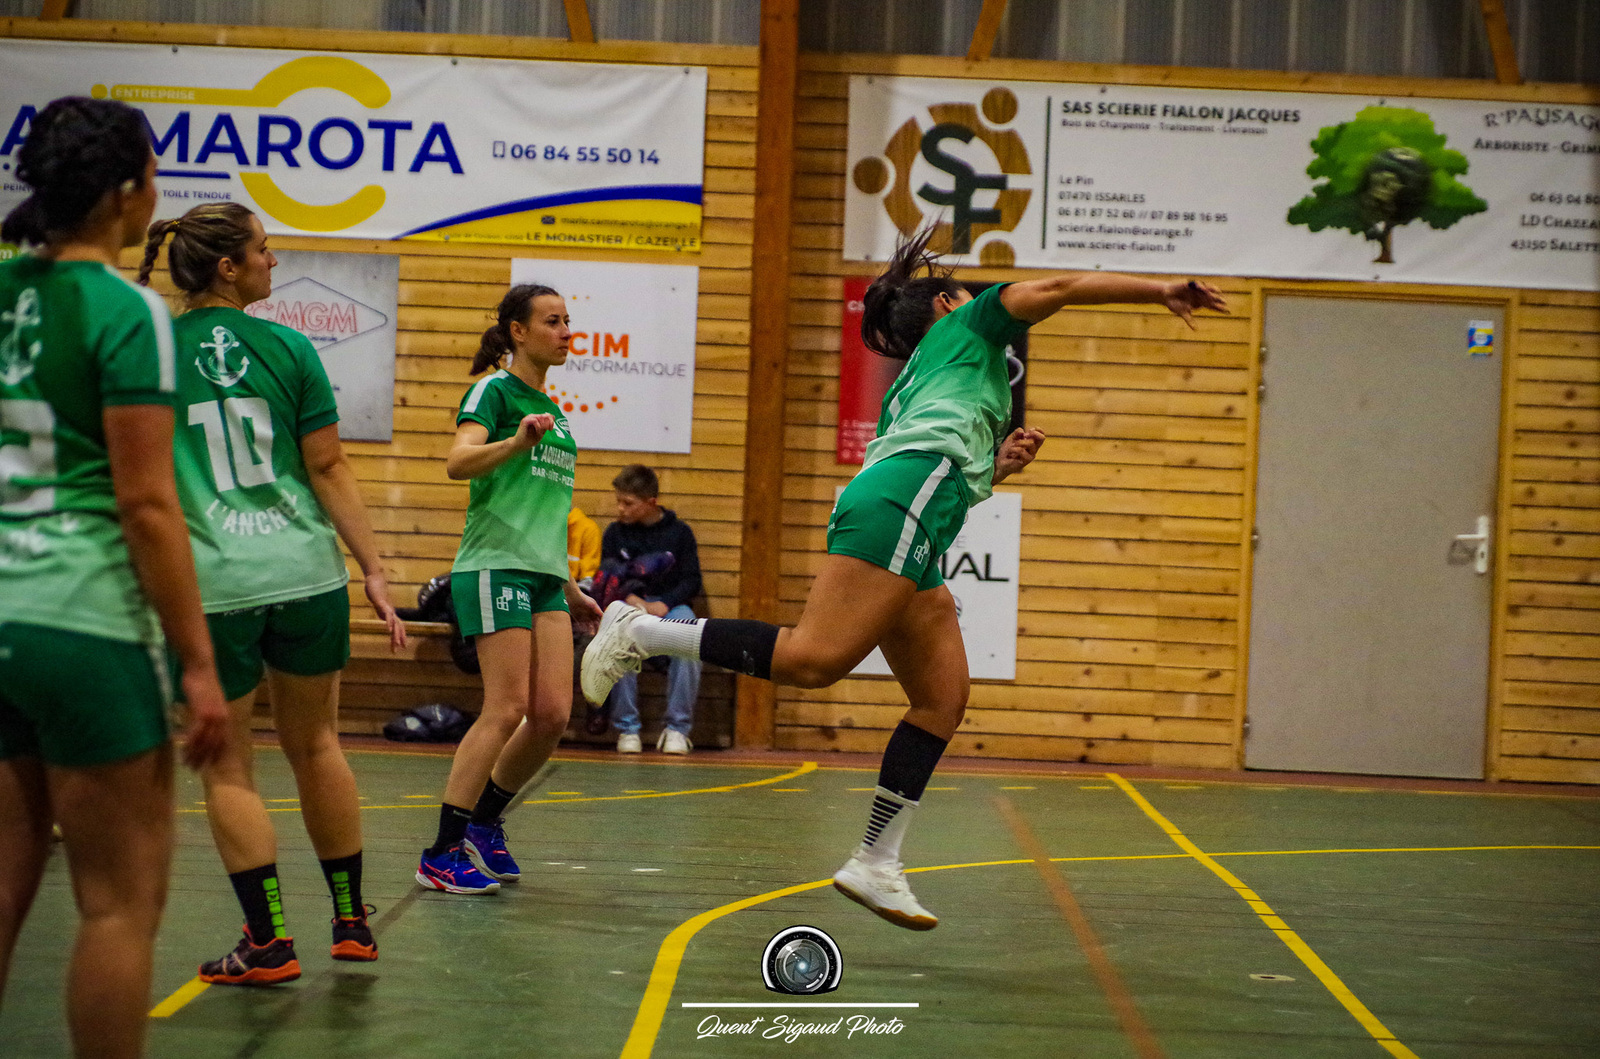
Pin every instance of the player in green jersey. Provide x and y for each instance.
(940, 449)
(93, 552)
(265, 485)
(511, 586)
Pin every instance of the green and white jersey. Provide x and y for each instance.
(953, 397)
(517, 514)
(248, 391)
(75, 337)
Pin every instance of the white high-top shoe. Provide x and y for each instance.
(882, 888)
(611, 653)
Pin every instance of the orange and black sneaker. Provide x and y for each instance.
(252, 964)
(352, 938)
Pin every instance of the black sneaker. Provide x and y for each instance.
(252, 964)
(352, 938)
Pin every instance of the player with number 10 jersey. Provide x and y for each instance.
(248, 391)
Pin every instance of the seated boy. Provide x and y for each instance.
(645, 528)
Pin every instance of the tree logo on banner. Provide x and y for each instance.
(945, 145)
(1385, 168)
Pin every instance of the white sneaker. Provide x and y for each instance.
(628, 743)
(611, 653)
(883, 889)
(672, 742)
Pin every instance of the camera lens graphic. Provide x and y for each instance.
(801, 960)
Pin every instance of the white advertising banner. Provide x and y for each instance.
(628, 383)
(1245, 183)
(607, 156)
(981, 570)
(346, 304)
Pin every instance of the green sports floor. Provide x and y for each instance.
(1083, 914)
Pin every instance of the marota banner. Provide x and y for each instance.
(1243, 183)
(347, 305)
(628, 383)
(981, 570)
(602, 156)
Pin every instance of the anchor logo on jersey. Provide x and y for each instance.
(215, 367)
(16, 356)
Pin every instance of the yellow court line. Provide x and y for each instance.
(185, 993)
(809, 766)
(1296, 944)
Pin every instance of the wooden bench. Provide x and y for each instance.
(378, 685)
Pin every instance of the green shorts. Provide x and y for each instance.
(902, 513)
(306, 637)
(491, 600)
(77, 700)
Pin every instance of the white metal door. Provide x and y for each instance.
(1369, 630)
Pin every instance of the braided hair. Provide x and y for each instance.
(516, 306)
(897, 309)
(200, 239)
(77, 150)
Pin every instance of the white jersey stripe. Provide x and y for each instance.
(485, 601)
(476, 394)
(908, 531)
(161, 323)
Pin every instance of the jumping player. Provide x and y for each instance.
(511, 585)
(93, 551)
(939, 450)
(265, 485)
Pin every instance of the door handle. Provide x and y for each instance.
(1477, 542)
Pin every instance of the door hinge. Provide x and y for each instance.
(1255, 538)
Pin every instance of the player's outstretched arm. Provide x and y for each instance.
(1038, 299)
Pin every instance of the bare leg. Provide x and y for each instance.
(306, 710)
(852, 605)
(239, 822)
(505, 657)
(25, 836)
(926, 654)
(117, 821)
(549, 702)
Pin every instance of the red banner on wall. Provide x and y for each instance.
(864, 377)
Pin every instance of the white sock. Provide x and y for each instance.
(668, 636)
(886, 826)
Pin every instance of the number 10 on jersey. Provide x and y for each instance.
(238, 439)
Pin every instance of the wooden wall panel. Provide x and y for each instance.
(1133, 605)
(1549, 718)
(447, 296)
(1132, 516)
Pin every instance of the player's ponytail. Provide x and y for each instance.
(516, 306)
(897, 309)
(201, 239)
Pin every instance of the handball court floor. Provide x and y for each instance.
(1084, 913)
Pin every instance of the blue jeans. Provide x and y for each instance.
(683, 688)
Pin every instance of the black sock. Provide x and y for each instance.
(257, 890)
(909, 760)
(492, 803)
(739, 644)
(453, 821)
(344, 883)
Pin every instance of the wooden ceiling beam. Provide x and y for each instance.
(579, 29)
(986, 30)
(1501, 46)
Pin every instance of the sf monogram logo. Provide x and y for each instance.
(17, 356)
(216, 367)
(958, 122)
